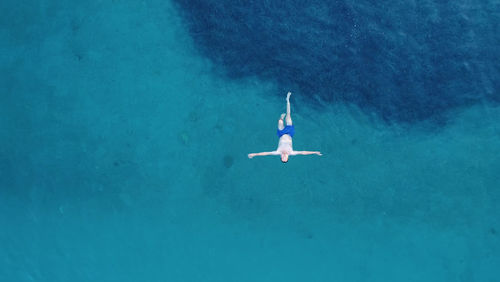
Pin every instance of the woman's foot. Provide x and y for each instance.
(282, 116)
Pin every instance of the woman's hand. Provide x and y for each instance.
(251, 156)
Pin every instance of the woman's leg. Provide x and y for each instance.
(288, 117)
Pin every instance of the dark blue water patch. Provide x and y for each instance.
(408, 62)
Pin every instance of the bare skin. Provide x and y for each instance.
(285, 142)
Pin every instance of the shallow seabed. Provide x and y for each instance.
(123, 158)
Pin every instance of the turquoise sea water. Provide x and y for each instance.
(123, 157)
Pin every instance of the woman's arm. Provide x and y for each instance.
(306, 153)
(262, 154)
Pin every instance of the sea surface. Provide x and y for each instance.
(125, 128)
